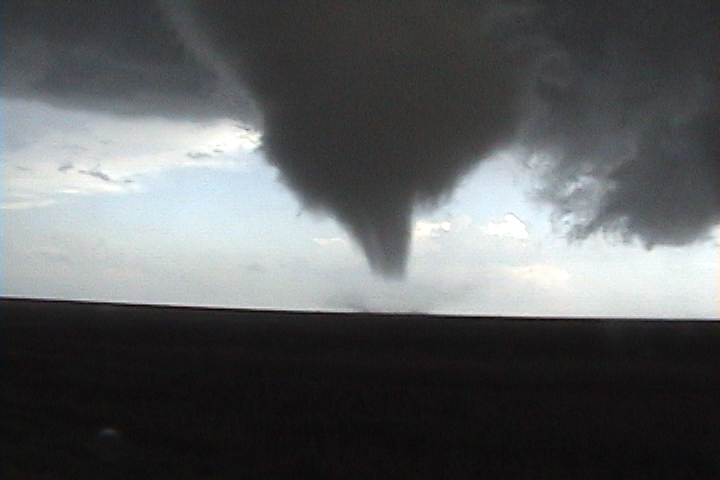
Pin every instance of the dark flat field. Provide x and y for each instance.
(97, 391)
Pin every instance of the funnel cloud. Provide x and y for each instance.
(370, 109)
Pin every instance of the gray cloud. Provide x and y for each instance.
(95, 173)
(371, 109)
(200, 155)
(626, 103)
(119, 57)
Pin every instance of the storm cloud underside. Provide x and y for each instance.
(369, 109)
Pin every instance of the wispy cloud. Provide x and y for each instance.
(97, 174)
(19, 204)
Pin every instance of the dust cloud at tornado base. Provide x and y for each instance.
(371, 109)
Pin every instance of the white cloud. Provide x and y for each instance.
(509, 226)
(20, 203)
(430, 229)
(330, 241)
(541, 275)
(96, 154)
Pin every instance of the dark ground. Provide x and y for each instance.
(201, 394)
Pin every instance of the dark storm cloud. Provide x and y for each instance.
(120, 57)
(369, 109)
(625, 101)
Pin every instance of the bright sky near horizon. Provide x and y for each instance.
(149, 210)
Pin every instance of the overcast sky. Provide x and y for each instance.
(99, 207)
(270, 155)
